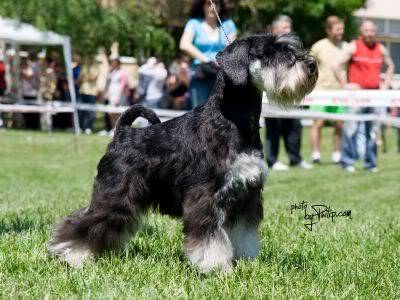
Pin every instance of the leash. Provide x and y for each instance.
(220, 22)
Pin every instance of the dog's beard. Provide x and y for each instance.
(284, 86)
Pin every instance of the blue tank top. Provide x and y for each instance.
(202, 40)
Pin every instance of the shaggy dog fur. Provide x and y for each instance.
(205, 166)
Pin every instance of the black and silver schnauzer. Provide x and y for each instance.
(205, 166)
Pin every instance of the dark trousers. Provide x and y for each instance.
(398, 132)
(290, 130)
(32, 120)
(86, 117)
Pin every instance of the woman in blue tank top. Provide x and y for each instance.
(202, 39)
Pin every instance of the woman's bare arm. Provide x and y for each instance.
(186, 44)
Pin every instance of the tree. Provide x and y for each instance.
(153, 27)
(92, 25)
(308, 15)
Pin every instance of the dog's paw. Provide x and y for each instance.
(215, 254)
(74, 254)
(225, 268)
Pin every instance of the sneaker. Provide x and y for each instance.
(278, 166)
(336, 157)
(373, 170)
(88, 131)
(103, 133)
(305, 165)
(350, 169)
(316, 157)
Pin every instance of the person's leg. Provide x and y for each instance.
(398, 140)
(90, 115)
(316, 139)
(337, 135)
(398, 132)
(382, 129)
(81, 113)
(107, 119)
(113, 120)
(272, 133)
(349, 147)
(371, 147)
(337, 140)
(1, 120)
(291, 131)
(32, 120)
(200, 91)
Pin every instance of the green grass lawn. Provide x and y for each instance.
(43, 178)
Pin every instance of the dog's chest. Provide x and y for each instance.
(246, 170)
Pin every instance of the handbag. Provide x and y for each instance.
(206, 71)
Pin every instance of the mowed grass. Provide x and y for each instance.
(43, 178)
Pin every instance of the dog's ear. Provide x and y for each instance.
(234, 61)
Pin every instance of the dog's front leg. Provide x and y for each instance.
(244, 231)
(207, 243)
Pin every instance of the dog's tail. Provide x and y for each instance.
(136, 111)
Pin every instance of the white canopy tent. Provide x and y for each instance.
(17, 33)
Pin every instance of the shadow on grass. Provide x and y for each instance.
(16, 225)
(145, 245)
(287, 261)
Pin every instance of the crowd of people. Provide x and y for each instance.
(342, 65)
(38, 78)
(188, 82)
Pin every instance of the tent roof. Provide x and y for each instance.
(12, 31)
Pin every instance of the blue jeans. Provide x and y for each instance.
(153, 103)
(200, 90)
(358, 143)
(86, 117)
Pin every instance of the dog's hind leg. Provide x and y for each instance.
(244, 230)
(106, 225)
(207, 244)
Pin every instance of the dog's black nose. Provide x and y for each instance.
(311, 65)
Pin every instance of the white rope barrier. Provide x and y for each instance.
(359, 98)
(273, 112)
(23, 108)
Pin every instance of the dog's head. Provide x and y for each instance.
(277, 64)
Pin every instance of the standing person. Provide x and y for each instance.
(88, 92)
(178, 84)
(289, 129)
(397, 110)
(365, 57)
(76, 73)
(326, 51)
(117, 82)
(3, 83)
(152, 76)
(202, 39)
(30, 81)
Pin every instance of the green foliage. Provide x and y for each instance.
(308, 15)
(91, 25)
(148, 27)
